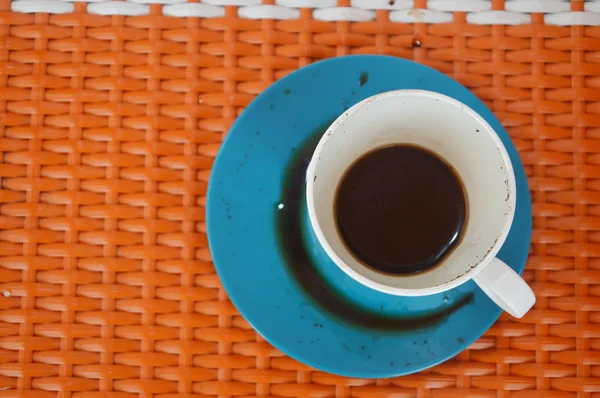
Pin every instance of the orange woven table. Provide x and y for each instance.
(109, 125)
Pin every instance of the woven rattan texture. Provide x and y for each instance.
(109, 126)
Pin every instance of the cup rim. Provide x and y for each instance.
(468, 274)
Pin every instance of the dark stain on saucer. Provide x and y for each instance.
(271, 107)
(363, 78)
(287, 91)
(290, 243)
(461, 341)
(258, 133)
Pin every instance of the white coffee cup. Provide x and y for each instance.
(468, 143)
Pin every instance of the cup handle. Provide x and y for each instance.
(506, 288)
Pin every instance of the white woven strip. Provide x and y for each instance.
(193, 10)
(574, 18)
(343, 14)
(233, 2)
(46, 6)
(82, 1)
(118, 8)
(592, 6)
(419, 15)
(545, 6)
(307, 3)
(268, 12)
(382, 4)
(158, 1)
(498, 18)
(460, 5)
(516, 12)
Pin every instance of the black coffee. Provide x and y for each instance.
(400, 209)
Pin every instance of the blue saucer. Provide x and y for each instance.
(272, 265)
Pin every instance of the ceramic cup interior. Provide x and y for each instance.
(444, 126)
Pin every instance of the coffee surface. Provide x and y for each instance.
(400, 209)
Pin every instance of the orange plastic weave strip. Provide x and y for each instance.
(109, 126)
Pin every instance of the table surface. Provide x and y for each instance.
(111, 114)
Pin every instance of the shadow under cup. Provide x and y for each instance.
(444, 126)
